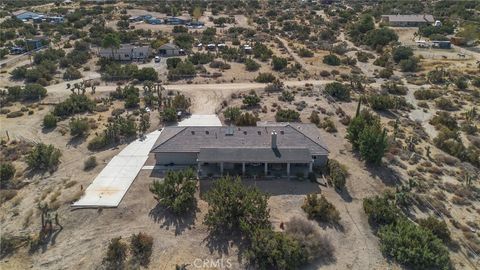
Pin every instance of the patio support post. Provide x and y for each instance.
(266, 168)
(221, 168)
(310, 167)
(199, 167)
(243, 168)
(288, 169)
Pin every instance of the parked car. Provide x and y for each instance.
(157, 59)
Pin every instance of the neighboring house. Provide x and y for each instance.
(408, 20)
(127, 52)
(169, 49)
(441, 44)
(34, 44)
(154, 21)
(268, 149)
(175, 21)
(26, 15)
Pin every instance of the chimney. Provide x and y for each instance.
(274, 139)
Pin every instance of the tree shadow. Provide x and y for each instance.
(344, 194)
(47, 130)
(388, 176)
(221, 241)
(45, 239)
(76, 141)
(169, 220)
(334, 225)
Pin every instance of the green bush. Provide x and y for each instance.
(251, 65)
(373, 144)
(287, 116)
(303, 52)
(90, 163)
(14, 114)
(79, 126)
(246, 119)
(318, 208)
(279, 63)
(43, 157)
(49, 121)
(426, 94)
(386, 73)
(76, 103)
(358, 123)
(72, 74)
(381, 211)
(173, 62)
(265, 78)
(177, 191)
(331, 60)
(401, 53)
(251, 100)
(287, 96)
(409, 65)
(438, 227)
(378, 38)
(169, 115)
(181, 71)
(235, 207)
(7, 171)
(275, 250)
(337, 173)
(445, 104)
(116, 254)
(338, 91)
(413, 246)
(232, 113)
(141, 246)
(201, 58)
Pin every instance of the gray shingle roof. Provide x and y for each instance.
(169, 46)
(410, 18)
(192, 139)
(256, 155)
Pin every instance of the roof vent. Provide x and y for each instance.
(193, 132)
(259, 132)
(229, 131)
(206, 132)
(245, 132)
(282, 132)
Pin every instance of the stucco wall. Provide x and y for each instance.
(320, 160)
(176, 158)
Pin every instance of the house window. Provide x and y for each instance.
(314, 157)
(141, 54)
(126, 55)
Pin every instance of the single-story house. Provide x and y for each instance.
(441, 44)
(269, 149)
(154, 21)
(26, 15)
(34, 44)
(169, 49)
(174, 21)
(127, 52)
(408, 20)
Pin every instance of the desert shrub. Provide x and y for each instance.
(76, 103)
(72, 74)
(274, 250)
(116, 254)
(338, 91)
(314, 118)
(169, 115)
(49, 121)
(437, 76)
(141, 246)
(79, 126)
(438, 227)
(251, 65)
(380, 210)
(364, 56)
(331, 60)
(146, 74)
(201, 58)
(386, 73)
(172, 62)
(246, 119)
(279, 63)
(314, 245)
(381, 102)
(232, 113)
(378, 38)
(90, 163)
(445, 104)
(363, 119)
(445, 119)
(382, 61)
(177, 191)
(43, 157)
(287, 116)
(328, 125)
(318, 208)
(409, 65)
(219, 64)
(6, 195)
(14, 114)
(7, 171)
(234, 207)
(286, 96)
(426, 94)
(413, 246)
(337, 173)
(181, 71)
(461, 83)
(303, 52)
(261, 51)
(251, 100)
(401, 53)
(265, 78)
(394, 88)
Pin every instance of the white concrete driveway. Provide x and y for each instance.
(109, 187)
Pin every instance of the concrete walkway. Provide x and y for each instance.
(109, 187)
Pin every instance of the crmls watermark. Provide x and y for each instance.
(212, 263)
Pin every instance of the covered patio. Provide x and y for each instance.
(254, 162)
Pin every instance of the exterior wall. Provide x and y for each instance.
(169, 52)
(126, 53)
(176, 158)
(320, 160)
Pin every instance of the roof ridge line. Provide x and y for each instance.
(183, 129)
(289, 124)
